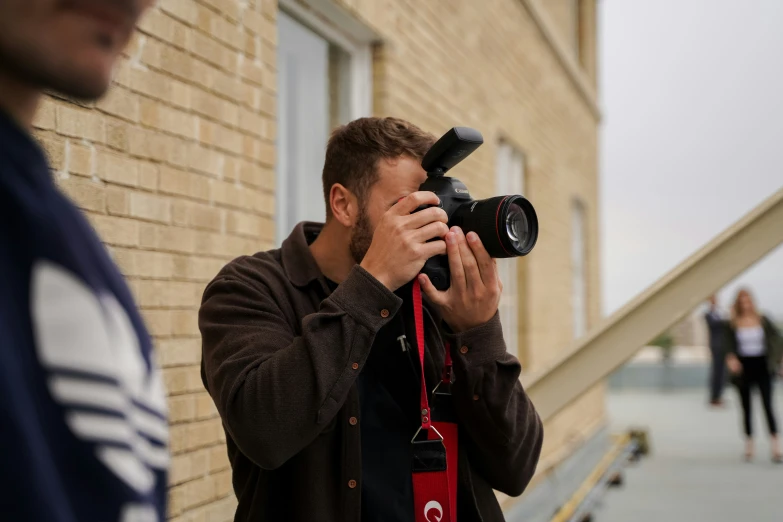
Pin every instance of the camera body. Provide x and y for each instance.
(506, 225)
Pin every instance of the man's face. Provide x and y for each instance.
(397, 178)
(69, 46)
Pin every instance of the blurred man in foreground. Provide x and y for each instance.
(83, 431)
(307, 351)
(717, 327)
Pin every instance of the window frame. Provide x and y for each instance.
(328, 21)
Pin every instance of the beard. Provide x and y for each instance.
(361, 236)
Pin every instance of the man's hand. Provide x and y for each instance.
(474, 294)
(400, 244)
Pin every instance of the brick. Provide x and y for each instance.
(150, 264)
(226, 32)
(198, 491)
(167, 119)
(116, 231)
(223, 483)
(256, 175)
(80, 123)
(207, 104)
(121, 103)
(243, 224)
(197, 268)
(155, 293)
(115, 168)
(182, 379)
(179, 352)
(165, 27)
(220, 137)
(253, 21)
(187, 466)
(54, 147)
(158, 322)
(252, 123)
(180, 9)
(184, 323)
(182, 183)
(178, 63)
(176, 501)
(87, 195)
(206, 161)
(147, 144)
(117, 201)
(205, 407)
(172, 239)
(227, 8)
(45, 115)
(254, 72)
(182, 408)
(150, 207)
(218, 459)
(204, 433)
(117, 135)
(80, 159)
(148, 176)
(222, 511)
(213, 52)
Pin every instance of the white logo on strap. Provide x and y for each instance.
(433, 509)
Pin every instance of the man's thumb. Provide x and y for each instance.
(429, 289)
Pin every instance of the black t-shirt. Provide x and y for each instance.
(389, 389)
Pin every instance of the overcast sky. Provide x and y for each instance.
(692, 134)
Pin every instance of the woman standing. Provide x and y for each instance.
(754, 354)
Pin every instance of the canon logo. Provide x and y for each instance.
(433, 511)
(461, 191)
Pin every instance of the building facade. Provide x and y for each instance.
(211, 140)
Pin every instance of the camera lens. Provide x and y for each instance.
(507, 225)
(516, 226)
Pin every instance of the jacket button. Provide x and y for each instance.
(355, 366)
(463, 350)
(475, 397)
(353, 421)
(352, 484)
(384, 313)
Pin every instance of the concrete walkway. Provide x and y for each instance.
(696, 471)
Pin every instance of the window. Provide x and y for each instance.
(578, 270)
(324, 80)
(510, 180)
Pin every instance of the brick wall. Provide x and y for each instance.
(175, 170)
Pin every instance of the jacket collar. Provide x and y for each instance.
(298, 262)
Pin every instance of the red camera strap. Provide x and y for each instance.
(435, 457)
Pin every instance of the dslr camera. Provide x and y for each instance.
(506, 225)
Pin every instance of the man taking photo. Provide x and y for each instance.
(309, 351)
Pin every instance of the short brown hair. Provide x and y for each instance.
(354, 150)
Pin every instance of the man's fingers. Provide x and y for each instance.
(455, 261)
(434, 295)
(433, 230)
(427, 216)
(413, 201)
(433, 248)
(469, 263)
(486, 264)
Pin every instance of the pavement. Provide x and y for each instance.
(695, 471)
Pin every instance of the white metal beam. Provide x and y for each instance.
(620, 336)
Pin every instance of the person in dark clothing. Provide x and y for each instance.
(83, 430)
(754, 352)
(716, 326)
(309, 351)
